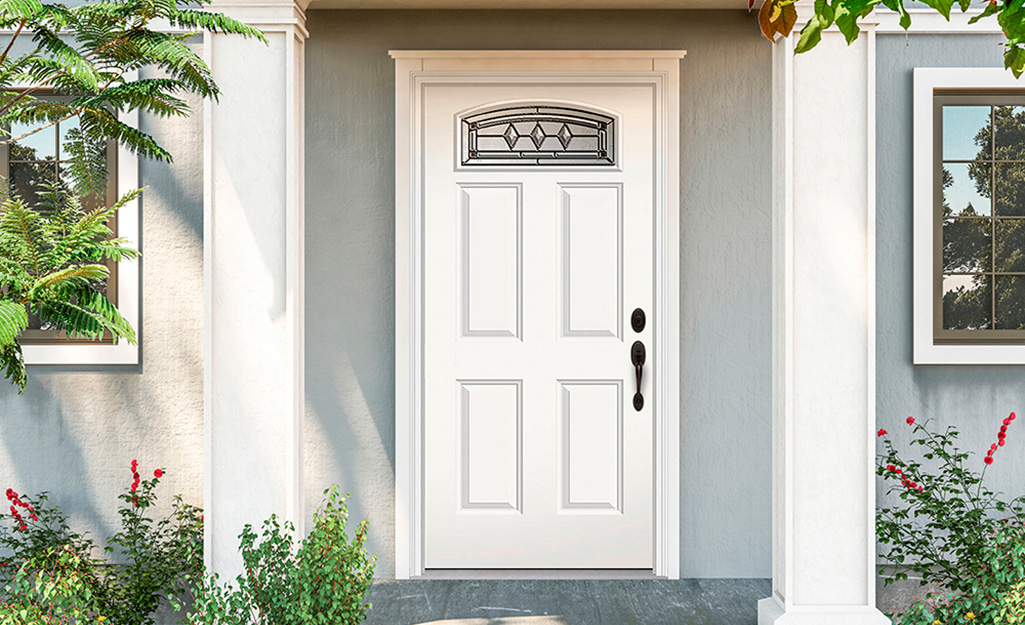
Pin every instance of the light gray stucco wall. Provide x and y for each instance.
(725, 256)
(76, 429)
(974, 398)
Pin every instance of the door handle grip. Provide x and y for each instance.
(637, 357)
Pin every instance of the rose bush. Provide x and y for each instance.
(952, 531)
(46, 568)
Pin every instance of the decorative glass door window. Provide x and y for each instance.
(539, 135)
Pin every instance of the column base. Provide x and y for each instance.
(770, 612)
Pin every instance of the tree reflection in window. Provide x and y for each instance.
(983, 217)
(35, 169)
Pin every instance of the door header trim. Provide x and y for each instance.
(537, 54)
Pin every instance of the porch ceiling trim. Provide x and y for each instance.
(529, 4)
(537, 54)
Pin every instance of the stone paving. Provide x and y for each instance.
(567, 602)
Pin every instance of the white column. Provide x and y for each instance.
(823, 334)
(253, 246)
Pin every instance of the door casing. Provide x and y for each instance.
(414, 71)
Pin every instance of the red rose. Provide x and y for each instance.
(23, 527)
(881, 432)
(910, 420)
(914, 485)
(1011, 417)
(988, 460)
(158, 473)
(135, 465)
(920, 489)
(1002, 441)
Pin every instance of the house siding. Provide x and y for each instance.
(725, 259)
(76, 429)
(973, 398)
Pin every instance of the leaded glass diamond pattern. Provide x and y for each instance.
(538, 135)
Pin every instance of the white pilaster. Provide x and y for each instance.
(253, 247)
(823, 334)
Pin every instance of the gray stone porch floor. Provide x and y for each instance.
(567, 602)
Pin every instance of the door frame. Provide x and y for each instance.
(414, 71)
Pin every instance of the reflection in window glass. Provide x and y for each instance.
(966, 245)
(1010, 133)
(1009, 254)
(1010, 303)
(966, 189)
(36, 164)
(967, 302)
(982, 253)
(1010, 189)
(962, 128)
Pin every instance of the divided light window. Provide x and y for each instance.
(979, 225)
(29, 165)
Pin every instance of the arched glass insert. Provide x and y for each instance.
(539, 134)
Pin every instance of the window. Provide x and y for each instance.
(969, 217)
(35, 163)
(38, 160)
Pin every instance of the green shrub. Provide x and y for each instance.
(953, 531)
(54, 588)
(321, 581)
(149, 559)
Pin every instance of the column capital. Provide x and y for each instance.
(268, 15)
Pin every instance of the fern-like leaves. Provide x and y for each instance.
(52, 262)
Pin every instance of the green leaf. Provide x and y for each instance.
(13, 320)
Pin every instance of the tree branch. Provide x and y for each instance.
(3, 57)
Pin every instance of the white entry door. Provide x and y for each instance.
(538, 246)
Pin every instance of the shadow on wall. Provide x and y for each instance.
(75, 430)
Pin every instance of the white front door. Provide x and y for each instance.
(538, 245)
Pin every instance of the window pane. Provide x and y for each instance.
(965, 133)
(37, 147)
(28, 179)
(64, 128)
(1009, 253)
(1010, 303)
(966, 302)
(966, 245)
(1010, 189)
(1010, 132)
(966, 189)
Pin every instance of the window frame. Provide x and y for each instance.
(932, 344)
(127, 283)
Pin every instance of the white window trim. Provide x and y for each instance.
(927, 81)
(128, 278)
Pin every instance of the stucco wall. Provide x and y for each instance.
(974, 398)
(75, 430)
(725, 257)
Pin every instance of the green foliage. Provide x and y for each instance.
(52, 253)
(148, 560)
(53, 262)
(324, 581)
(54, 589)
(845, 14)
(951, 530)
(89, 52)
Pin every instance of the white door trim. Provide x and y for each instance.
(414, 71)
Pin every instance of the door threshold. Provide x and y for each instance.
(468, 574)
